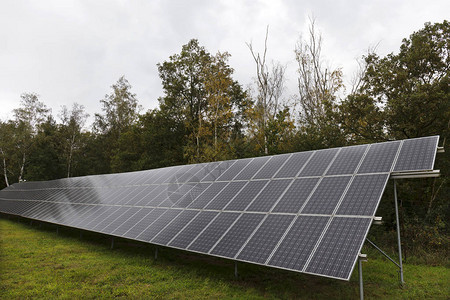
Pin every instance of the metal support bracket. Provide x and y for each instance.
(398, 234)
(156, 253)
(235, 269)
(361, 258)
(378, 221)
(112, 243)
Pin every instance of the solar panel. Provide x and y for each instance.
(306, 211)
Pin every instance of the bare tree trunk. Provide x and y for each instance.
(69, 161)
(22, 168)
(5, 174)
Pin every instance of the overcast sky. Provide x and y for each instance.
(73, 51)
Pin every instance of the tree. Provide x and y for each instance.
(318, 90)
(28, 117)
(183, 80)
(72, 123)
(120, 113)
(269, 89)
(416, 77)
(7, 148)
(202, 100)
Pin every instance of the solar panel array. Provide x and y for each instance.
(308, 211)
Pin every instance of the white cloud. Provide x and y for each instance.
(70, 51)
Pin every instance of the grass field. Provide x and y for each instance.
(35, 262)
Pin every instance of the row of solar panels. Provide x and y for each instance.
(299, 219)
(376, 158)
(292, 196)
(282, 241)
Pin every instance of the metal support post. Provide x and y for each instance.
(112, 243)
(156, 253)
(235, 269)
(81, 234)
(398, 233)
(361, 289)
(57, 229)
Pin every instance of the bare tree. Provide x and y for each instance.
(270, 85)
(317, 84)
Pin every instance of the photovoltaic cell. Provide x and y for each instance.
(326, 196)
(144, 223)
(155, 227)
(299, 242)
(296, 195)
(265, 239)
(250, 170)
(191, 231)
(234, 169)
(363, 196)
(190, 196)
(271, 167)
(379, 158)
(319, 162)
(339, 248)
(347, 160)
(164, 236)
(131, 222)
(246, 195)
(269, 196)
(121, 220)
(218, 170)
(210, 192)
(417, 154)
(293, 165)
(213, 232)
(233, 240)
(222, 199)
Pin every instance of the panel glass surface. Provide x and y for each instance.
(296, 247)
(379, 158)
(144, 223)
(261, 244)
(271, 167)
(191, 231)
(363, 196)
(233, 240)
(213, 232)
(252, 168)
(319, 162)
(222, 199)
(339, 248)
(234, 169)
(174, 227)
(155, 227)
(121, 220)
(296, 195)
(210, 192)
(347, 160)
(218, 170)
(269, 196)
(131, 222)
(417, 154)
(326, 196)
(246, 195)
(293, 165)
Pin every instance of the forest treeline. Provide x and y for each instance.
(206, 115)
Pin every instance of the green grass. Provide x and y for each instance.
(35, 262)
